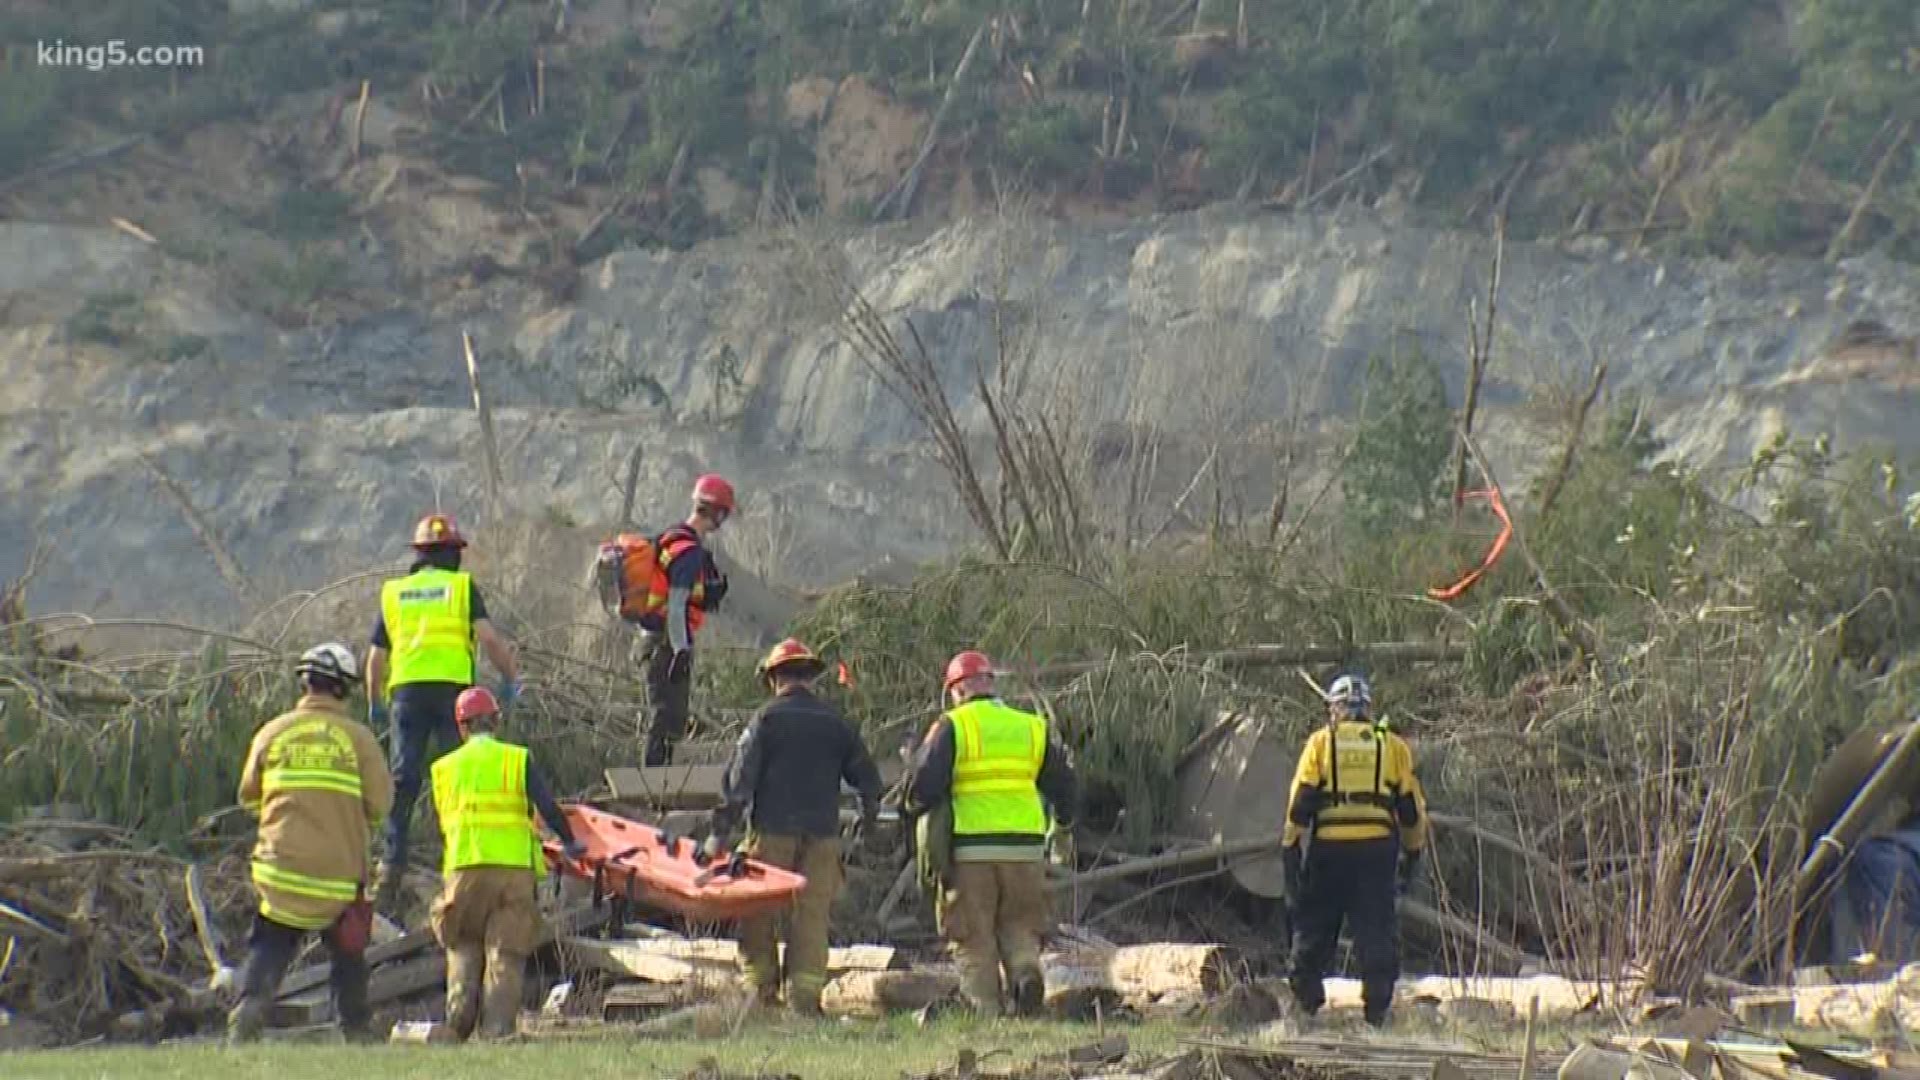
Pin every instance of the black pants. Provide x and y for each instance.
(1348, 882)
(270, 950)
(671, 702)
(422, 726)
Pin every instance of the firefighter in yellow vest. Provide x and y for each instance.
(1004, 774)
(318, 781)
(485, 794)
(1356, 811)
(421, 657)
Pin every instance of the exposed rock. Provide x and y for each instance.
(808, 100)
(312, 449)
(865, 146)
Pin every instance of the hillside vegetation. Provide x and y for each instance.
(1710, 125)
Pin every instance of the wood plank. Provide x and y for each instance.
(626, 958)
(414, 976)
(697, 787)
(408, 944)
(671, 787)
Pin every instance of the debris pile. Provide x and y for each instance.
(111, 941)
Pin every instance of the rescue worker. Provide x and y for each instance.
(420, 658)
(486, 916)
(1356, 810)
(695, 587)
(785, 780)
(1004, 774)
(317, 780)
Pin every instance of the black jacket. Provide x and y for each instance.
(786, 771)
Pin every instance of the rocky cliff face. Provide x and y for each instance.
(146, 422)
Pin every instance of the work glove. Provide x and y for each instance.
(378, 715)
(1293, 873)
(507, 692)
(1403, 875)
(680, 668)
(1065, 853)
(871, 841)
(716, 591)
(574, 849)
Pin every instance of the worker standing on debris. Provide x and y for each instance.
(318, 782)
(785, 780)
(1356, 810)
(486, 917)
(695, 587)
(420, 659)
(1002, 774)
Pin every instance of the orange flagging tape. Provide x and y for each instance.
(845, 674)
(1499, 507)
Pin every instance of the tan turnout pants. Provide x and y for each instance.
(487, 919)
(817, 858)
(996, 912)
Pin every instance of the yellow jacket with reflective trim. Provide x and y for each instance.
(318, 781)
(1354, 772)
(997, 754)
(486, 819)
(429, 620)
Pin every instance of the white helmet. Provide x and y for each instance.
(1351, 691)
(332, 661)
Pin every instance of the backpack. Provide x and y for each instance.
(626, 571)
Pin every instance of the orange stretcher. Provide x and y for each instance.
(638, 863)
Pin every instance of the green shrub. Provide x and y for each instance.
(107, 319)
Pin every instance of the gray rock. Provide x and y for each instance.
(312, 452)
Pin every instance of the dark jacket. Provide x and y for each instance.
(786, 771)
(932, 782)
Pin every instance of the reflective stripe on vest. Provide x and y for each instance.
(428, 615)
(1359, 793)
(312, 755)
(672, 543)
(480, 793)
(997, 753)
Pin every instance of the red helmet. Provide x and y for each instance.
(965, 666)
(438, 530)
(473, 701)
(792, 652)
(713, 490)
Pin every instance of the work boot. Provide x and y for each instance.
(803, 1004)
(1029, 994)
(247, 1020)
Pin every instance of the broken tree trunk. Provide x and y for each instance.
(877, 993)
(1223, 852)
(678, 959)
(1276, 656)
(1080, 981)
(1891, 773)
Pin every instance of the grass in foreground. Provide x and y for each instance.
(829, 1050)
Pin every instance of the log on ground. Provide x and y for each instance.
(1140, 970)
(877, 993)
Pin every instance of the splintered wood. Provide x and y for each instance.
(1083, 979)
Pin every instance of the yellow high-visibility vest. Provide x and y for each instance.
(480, 793)
(428, 615)
(997, 753)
